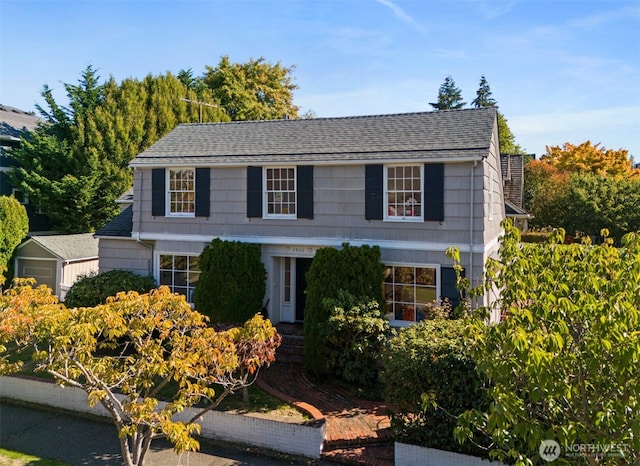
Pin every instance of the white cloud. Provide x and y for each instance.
(400, 13)
(603, 18)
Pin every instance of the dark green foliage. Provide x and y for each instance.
(94, 289)
(358, 271)
(430, 378)
(355, 334)
(14, 225)
(232, 281)
(449, 96)
(594, 202)
(534, 237)
(483, 95)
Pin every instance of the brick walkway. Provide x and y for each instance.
(358, 431)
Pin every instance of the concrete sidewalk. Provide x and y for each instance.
(83, 441)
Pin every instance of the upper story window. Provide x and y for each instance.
(280, 192)
(182, 192)
(403, 194)
(409, 192)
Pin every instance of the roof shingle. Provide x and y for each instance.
(448, 133)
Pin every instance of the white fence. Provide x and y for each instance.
(294, 439)
(412, 455)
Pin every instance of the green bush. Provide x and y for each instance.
(14, 225)
(534, 237)
(429, 380)
(358, 271)
(93, 289)
(356, 333)
(232, 281)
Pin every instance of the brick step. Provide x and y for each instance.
(380, 437)
(379, 454)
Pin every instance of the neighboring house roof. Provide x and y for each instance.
(68, 247)
(460, 134)
(120, 226)
(512, 210)
(13, 121)
(513, 178)
(126, 197)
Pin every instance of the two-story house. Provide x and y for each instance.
(412, 184)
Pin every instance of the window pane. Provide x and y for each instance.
(280, 192)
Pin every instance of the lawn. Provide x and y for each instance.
(13, 458)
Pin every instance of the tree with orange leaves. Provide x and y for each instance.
(582, 189)
(591, 158)
(125, 352)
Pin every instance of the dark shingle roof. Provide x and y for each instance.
(513, 177)
(13, 121)
(120, 226)
(449, 133)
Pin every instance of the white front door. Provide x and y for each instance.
(287, 289)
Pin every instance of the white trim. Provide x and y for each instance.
(265, 197)
(319, 242)
(300, 160)
(438, 287)
(156, 268)
(167, 193)
(385, 193)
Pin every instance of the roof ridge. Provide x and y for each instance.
(349, 117)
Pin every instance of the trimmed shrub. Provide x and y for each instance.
(358, 271)
(429, 380)
(356, 333)
(14, 225)
(232, 281)
(93, 289)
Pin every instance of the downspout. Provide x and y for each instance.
(138, 240)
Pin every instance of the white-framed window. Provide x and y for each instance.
(181, 192)
(179, 272)
(403, 196)
(280, 192)
(20, 196)
(409, 290)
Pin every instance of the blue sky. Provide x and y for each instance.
(560, 70)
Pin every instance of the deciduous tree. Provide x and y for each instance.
(124, 353)
(256, 90)
(592, 158)
(564, 364)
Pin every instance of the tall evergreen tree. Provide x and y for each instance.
(483, 95)
(449, 96)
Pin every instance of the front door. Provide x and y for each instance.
(293, 284)
(302, 267)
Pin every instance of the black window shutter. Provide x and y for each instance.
(448, 288)
(434, 192)
(305, 191)
(158, 192)
(254, 192)
(202, 192)
(373, 192)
